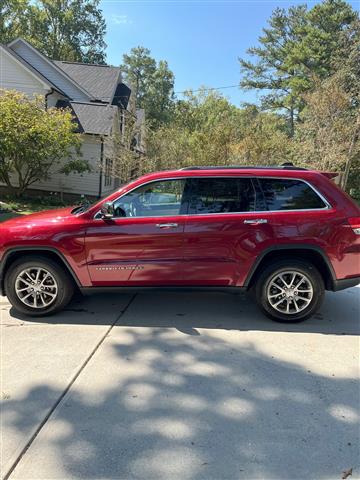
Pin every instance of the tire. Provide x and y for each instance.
(303, 302)
(53, 296)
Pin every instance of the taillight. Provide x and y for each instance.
(355, 224)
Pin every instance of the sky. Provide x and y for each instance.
(200, 39)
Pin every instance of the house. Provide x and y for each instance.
(97, 97)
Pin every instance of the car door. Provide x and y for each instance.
(226, 229)
(143, 243)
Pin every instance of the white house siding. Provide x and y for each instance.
(48, 70)
(13, 76)
(78, 184)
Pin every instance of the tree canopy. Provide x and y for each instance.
(297, 45)
(34, 142)
(306, 67)
(152, 84)
(71, 30)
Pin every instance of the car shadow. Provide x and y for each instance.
(189, 312)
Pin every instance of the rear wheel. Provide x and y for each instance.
(290, 290)
(38, 286)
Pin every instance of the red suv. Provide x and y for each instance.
(286, 233)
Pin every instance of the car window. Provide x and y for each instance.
(155, 199)
(221, 195)
(287, 194)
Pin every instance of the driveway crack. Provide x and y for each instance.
(65, 391)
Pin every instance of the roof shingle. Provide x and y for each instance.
(99, 80)
(92, 118)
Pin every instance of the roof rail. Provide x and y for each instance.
(242, 167)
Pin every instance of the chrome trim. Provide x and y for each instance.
(328, 206)
(166, 225)
(256, 221)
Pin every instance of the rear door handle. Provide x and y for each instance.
(167, 225)
(256, 221)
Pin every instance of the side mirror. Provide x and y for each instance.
(107, 210)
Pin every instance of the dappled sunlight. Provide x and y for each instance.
(175, 462)
(344, 413)
(236, 408)
(166, 427)
(194, 407)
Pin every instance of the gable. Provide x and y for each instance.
(49, 70)
(15, 76)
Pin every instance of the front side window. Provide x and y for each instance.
(288, 194)
(155, 199)
(221, 195)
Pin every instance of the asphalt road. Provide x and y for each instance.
(180, 386)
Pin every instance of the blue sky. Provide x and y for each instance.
(200, 39)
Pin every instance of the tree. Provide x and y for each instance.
(207, 130)
(346, 62)
(128, 163)
(329, 137)
(12, 22)
(152, 84)
(298, 46)
(263, 139)
(71, 30)
(202, 128)
(34, 142)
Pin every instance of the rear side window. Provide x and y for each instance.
(287, 194)
(221, 195)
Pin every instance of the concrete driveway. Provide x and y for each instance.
(179, 386)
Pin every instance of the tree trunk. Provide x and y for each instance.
(292, 122)
(350, 153)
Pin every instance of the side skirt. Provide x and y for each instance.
(160, 288)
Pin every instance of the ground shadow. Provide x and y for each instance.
(339, 315)
(164, 406)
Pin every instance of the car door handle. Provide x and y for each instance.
(167, 225)
(256, 221)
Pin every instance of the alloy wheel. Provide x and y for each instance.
(290, 292)
(36, 287)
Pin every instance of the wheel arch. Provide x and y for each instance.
(310, 253)
(11, 255)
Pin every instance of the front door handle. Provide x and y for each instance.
(256, 221)
(167, 225)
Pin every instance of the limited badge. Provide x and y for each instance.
(121, 267)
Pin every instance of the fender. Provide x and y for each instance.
(297, 246)
(5, 258)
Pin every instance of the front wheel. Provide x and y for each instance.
(290, 290)
(38, 286)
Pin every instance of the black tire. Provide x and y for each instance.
(65, 285)
(284, 265)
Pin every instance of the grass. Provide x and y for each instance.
(7, 216)
(12, 207)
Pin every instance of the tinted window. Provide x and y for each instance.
(283, 194)
(221, 195)
(154, 199)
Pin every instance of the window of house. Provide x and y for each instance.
(108, 172)
(221, 195)
(288, 194)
